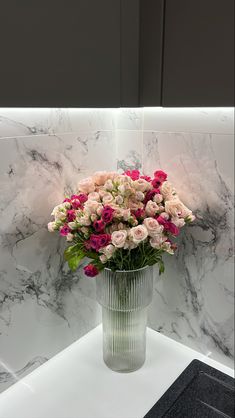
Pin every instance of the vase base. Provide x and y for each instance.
(121, 368)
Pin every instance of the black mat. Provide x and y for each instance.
(199, 392)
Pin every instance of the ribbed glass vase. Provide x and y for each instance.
(124, 297)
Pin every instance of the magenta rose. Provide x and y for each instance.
(90, 270)
(150, 194)
(74, 197)
(66, 200)
(65, 230)
(82, 197)
(107, 214)
(99, 225)
(159, 178)
(168, 226)
(99, 241)
(139, 213)
(133, 174)
(71, 215)
(75, 204)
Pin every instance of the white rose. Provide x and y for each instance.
(153, 227)
(167, 190)
(51, 226)
(84, 220)
(72, 225)
(142, 185)
(138, 233)
(94, 217)
(157, 198)
(86, 185)
(69, 237)
(118, 238)
(139, 196)
(151, 208)
(60, 216)
(107, 198)
(103, 258)
(94, 196)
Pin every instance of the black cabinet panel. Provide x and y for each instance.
(198, 67)
(151, 41)
(60, 53)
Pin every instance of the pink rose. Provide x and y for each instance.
(133, 174)
(71, 215)
(138, 233)
(99, 241)
(99, 225)
(119, 238)
(90, 270)
(107, 214)
(153, 227)
(100, 177)
(64, 230)
(86, 185)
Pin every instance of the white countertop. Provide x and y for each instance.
(77, 384)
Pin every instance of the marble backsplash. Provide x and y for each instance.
(43, 154)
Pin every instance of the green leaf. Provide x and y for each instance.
(74, 261)
(161, 267)
(71, 251)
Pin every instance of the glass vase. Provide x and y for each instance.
(124, 297)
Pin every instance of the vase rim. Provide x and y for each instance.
(126, 271)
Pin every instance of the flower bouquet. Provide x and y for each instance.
(123, 223)
(120, 221)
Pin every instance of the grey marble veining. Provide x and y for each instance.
(194, 302)
(43, 154)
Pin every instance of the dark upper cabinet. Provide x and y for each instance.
(67, 53)
(111, 53)
(198, 61)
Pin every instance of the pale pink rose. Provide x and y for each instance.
(161, 209)
(139, 196)
(138, 233)
(103, 258)
(91, 206)
(166, 246)
(69, 237)
(99, 209)
(108, 251)
(94, 196)
(86, 185)
(157, 198)
(84, 220)
(135, 205)
(165, 216)
(167, 190)
(176, 208)
(142, 185)
(125, 189)
(119, 238)
(119, 200)
(120, 179)
(157, 241)
(108, 185)
(100, 177)
(94, 217)
(107, 198)
(151, 208)
(130, 245)
(126, 213)
(72, 225)
(153, 227)
(179, 222)
(51, 226)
